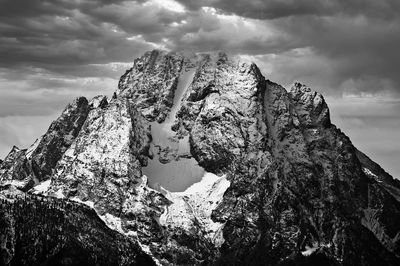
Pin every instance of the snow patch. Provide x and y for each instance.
(145, 248)
(112, 222)
(15, 183)
(59, 194)
(194, 206)
(96, 101)
(368, 172)
(42, 187)
(32, 148)
(310, 250)
(88, 202)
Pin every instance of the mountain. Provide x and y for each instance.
(197, 159)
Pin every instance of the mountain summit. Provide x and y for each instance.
(197, 160)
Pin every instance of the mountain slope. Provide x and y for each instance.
(46, 231)
(277, 182)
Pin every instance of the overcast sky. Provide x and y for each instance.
(54, 50)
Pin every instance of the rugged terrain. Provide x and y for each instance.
(197, 159)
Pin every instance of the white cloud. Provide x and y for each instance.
(168, 4)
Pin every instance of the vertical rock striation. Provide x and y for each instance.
(282, 185)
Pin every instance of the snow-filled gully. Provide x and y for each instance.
(183, 171)
(194, 193)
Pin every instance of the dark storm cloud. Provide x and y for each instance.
(35, 8)
(271, 9)
(30, 8)
(135, 18)
(362, 49)
(62, 40)
(45, 33)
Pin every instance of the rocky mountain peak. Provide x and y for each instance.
(99, 101)
(198, 159)
(312, 103)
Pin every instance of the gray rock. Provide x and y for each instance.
(299, 192)
(58, 138)
(16, 169)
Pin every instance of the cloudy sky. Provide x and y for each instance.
(54, 50)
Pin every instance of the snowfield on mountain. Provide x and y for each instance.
(197, 159)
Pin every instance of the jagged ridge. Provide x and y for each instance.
(299, 191)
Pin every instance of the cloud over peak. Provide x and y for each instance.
(53, 51)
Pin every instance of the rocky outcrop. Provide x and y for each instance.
(281, 184)
(58, 138)
(151, 83)
(15, 169)
(101, 161)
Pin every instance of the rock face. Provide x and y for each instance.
(275, 183)
(58, 138)
(15, 167)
